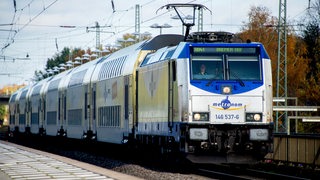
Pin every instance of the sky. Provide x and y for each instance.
(40, 29)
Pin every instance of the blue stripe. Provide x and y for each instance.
(185, 52)
(216, 86)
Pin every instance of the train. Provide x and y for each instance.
(206, 95)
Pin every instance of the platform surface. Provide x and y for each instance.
(18, 162)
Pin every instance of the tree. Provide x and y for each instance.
(302, 57)
(134, 39)
(8, 90)
(311, 38)
(59, 58)
(262, 27)
(3, 113)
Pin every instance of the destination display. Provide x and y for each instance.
(224, 50)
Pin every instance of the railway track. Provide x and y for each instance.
(221, 175)
(247, 175)
(242, 172)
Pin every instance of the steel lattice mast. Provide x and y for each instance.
(281, 116)
(137, 21)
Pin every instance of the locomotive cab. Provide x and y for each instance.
(229, 97)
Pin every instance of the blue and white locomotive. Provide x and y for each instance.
(202, 95)
(208, 96)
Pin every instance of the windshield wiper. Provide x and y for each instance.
(234, 74)
(216, 77)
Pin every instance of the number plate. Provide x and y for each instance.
(228, 116)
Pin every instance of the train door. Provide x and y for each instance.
(38, 111)
(86, 108)
(42, 115)
(28, 115)
(61, 110)
(16, 123)
(126, 106)
(172, 79)
(94, 104)
(136, 102)
(90, 112)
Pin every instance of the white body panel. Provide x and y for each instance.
(109, 80)
(51, 122)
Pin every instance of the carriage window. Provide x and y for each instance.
(207, 67)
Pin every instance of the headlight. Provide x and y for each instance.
(226, 90)
(199, 116)
(196, 116)
(257, 117)
(253, 117)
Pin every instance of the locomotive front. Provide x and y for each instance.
(229, 96)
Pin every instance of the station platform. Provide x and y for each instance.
(19, 162)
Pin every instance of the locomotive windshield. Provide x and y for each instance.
(225, 63)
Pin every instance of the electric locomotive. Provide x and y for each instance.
(207, 96)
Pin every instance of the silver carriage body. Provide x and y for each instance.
(13, 110)
(37, 107)
(23, 109)
(75, 101)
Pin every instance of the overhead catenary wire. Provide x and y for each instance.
(25, 25)
(118, 28)
(122, 28)
(77, 37)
